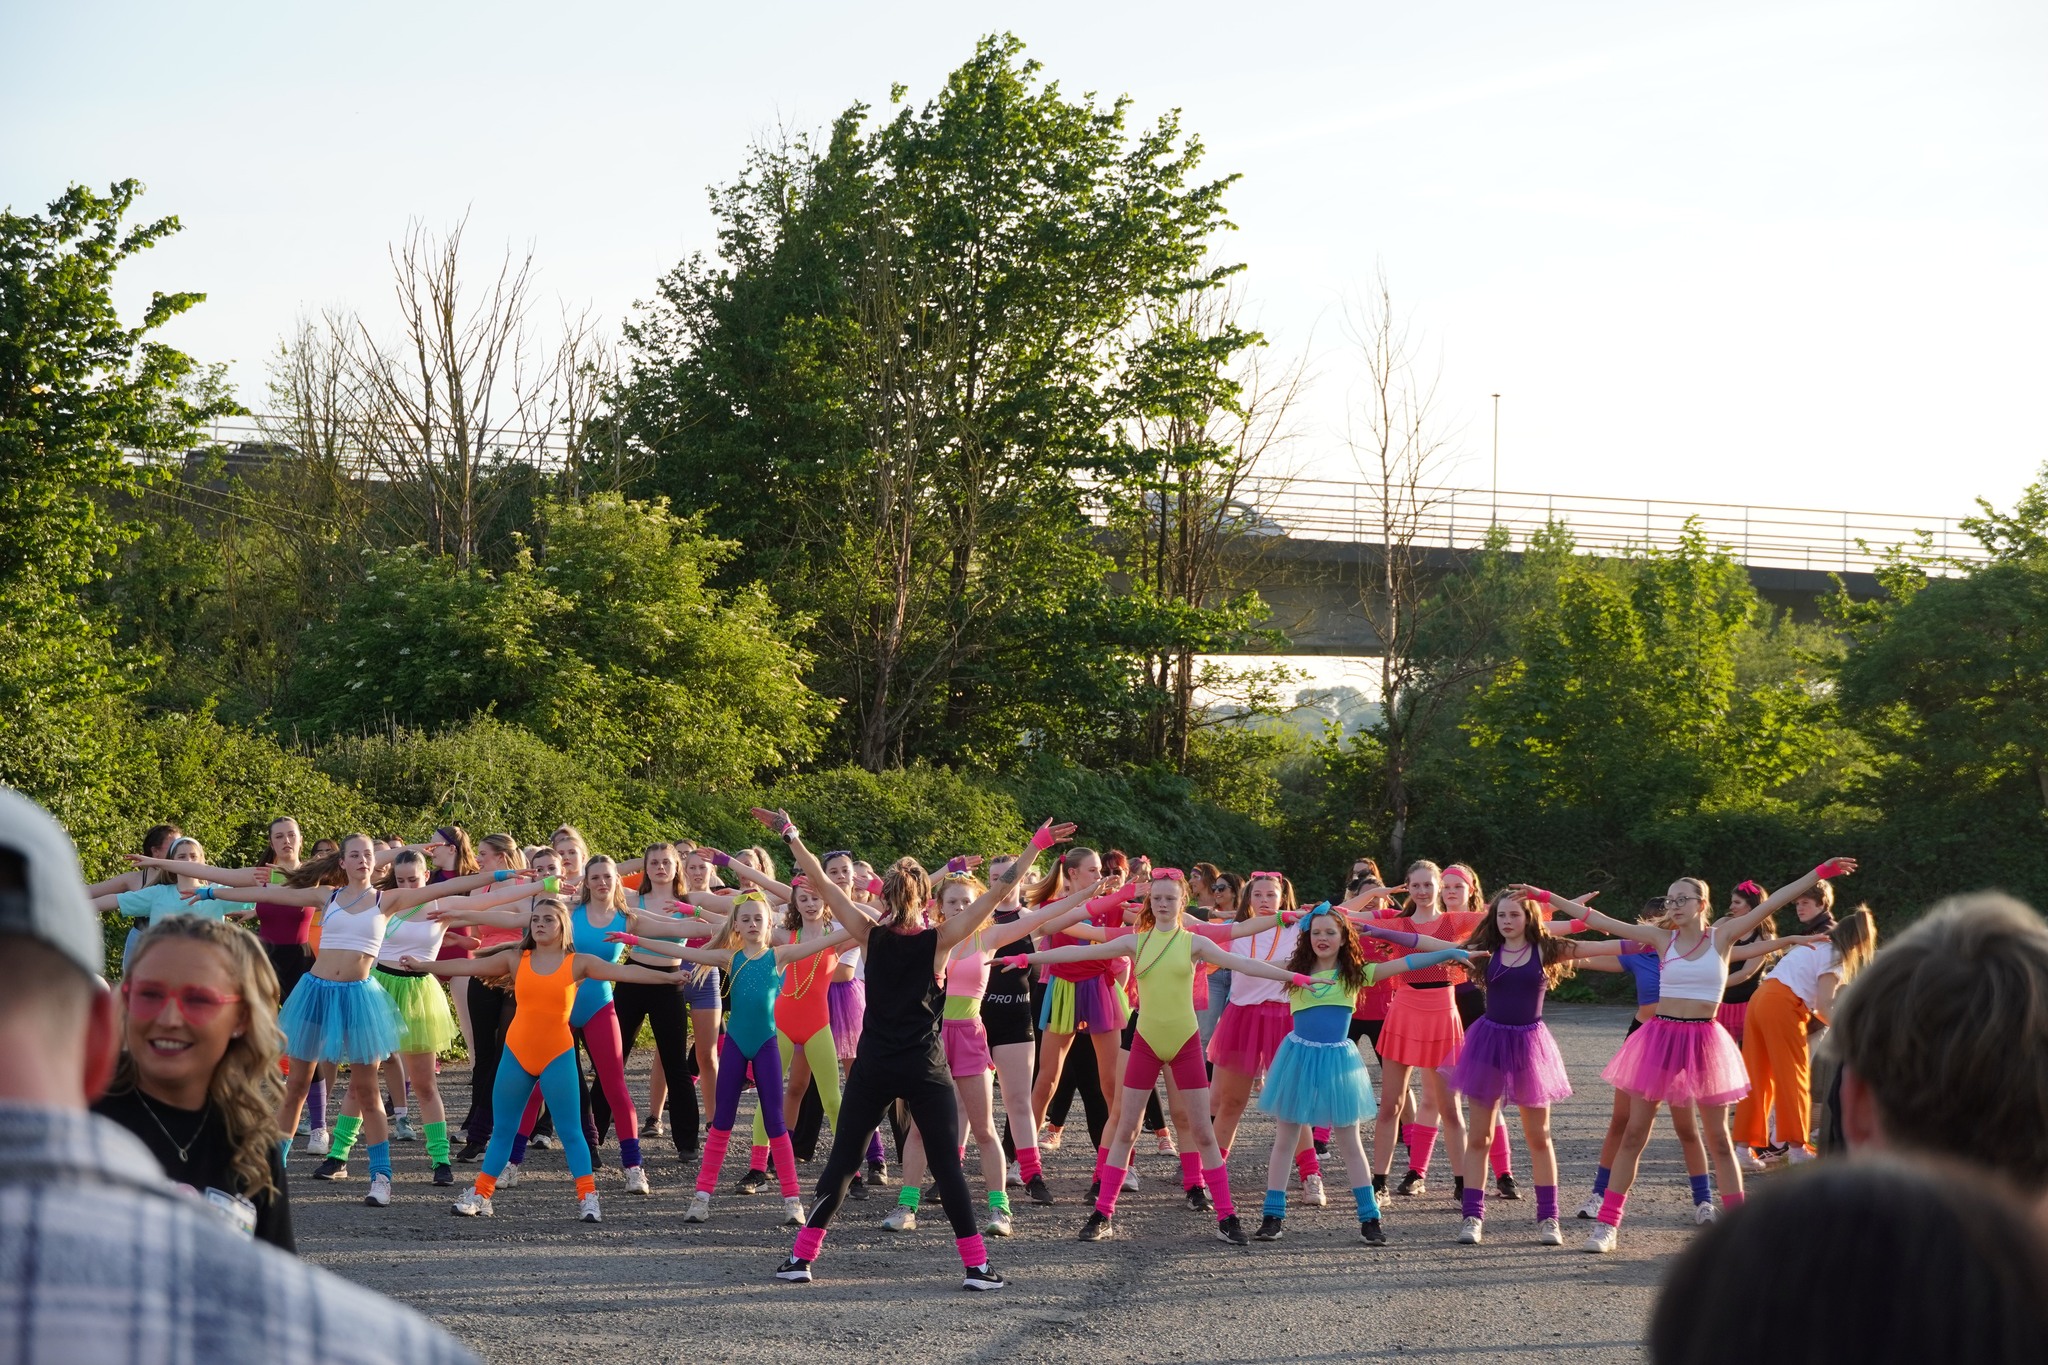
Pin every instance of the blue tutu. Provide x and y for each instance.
(339, 1021)
(1318, 1083)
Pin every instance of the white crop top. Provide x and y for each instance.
(409, 934)
(1274, 945)
(1803, 967)
(360, 930)
(1704, 976)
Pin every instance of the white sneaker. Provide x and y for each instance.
(902, 1218)
(1049, 1140)
(402, 1129)
(1591, 1208)
(699, 1210)
(793, 1212)
(509, 1179)
(1130, 1181)
(998, 1224)
(541, 1142)
(1703, 1214)
(1603, 1238)
(636, 1180)
(1312, 1192)
(380, 1192)
(1014, 1176)
(1748, 1160)
(1549, 1234)
(473, 1205)
(319, 1143)
(587, 1209)
(1471, 1233)
(1164, 1146)
(1799, 1156)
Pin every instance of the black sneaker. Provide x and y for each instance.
(331, 1169)
(1098, 1228)
(1231, 1231)
(878, 1174)
(471, 1151)
(1199, 1201)
(858, 1189)
(1379, 1184)
(982, 1277)
(1457, 1189)
(1370, 1231)
(931, 1194)
(1412, 1183)
(795, 1271)
(444, 1174)
(1505, 1186)
(753, 1182)
(1270, 1228)
(1322, 1147)
(1094, 1190)
(1037, 1189)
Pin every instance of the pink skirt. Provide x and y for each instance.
(1422, 1029)
(966, 1043)
(1680, 1061)
(1248, 1037)
(1731, 1017)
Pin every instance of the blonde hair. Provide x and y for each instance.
(617, 900)
(1854, 939)
(246, 1085)
(157, 876)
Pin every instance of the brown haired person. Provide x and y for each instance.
(1800, 989)
(1944, 1042)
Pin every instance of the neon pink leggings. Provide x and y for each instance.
(600, 1037)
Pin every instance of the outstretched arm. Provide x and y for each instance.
(1049, 917)
(1766, 946)
(969, 921)
(274, 895)
(206, 872)
(494, 964)
(1589, 918)
(1077, 952)
(1402, 938)
(1376, 972)
(596, 968)
(1735, 926)
(796, 952)
(746, 872)
(838, 902)
(406, 897)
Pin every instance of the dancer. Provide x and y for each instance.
(1257, 1017)
(167, 888)
(901, 1054)
(803, 1030)
(1317, 1078)
(664, 1009)
(1461, 896)
(1799, 990)
(490, 1007)
(1743, 980)
(1683, 1054)
(1165, 956)
(539, 1049)
(1009, 1017)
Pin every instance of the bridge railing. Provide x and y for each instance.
(1816, 538)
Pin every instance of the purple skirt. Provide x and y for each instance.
(847, 1002)
(1519, 1063)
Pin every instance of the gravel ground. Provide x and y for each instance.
(534, 1284)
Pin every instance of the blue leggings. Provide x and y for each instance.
(509, 1093)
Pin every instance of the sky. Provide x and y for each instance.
(1771, 253)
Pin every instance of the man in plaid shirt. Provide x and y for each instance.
(101, 1258)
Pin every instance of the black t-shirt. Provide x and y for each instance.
(205, 1170)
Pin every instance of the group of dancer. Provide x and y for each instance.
(933, 990)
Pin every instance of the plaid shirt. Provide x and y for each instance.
(103, 1260)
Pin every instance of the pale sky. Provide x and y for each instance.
(1789, 253)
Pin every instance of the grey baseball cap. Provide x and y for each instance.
(42, 892)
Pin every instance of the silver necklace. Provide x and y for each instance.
(183, 1149)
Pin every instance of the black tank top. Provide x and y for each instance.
(906, 1002)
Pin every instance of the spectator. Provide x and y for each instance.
(1943, 1041)
(1859, 1263)
(103, 1259)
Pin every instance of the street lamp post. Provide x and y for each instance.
(1496, 459)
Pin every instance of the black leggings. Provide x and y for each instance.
(928, 1093)
(1080, 1077)
(664, 1008)
(290, 961)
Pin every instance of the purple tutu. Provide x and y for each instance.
(1516, 1062)
(1248, 1037)
(1094, 1004)
(847, 1002)
(1680, 1061)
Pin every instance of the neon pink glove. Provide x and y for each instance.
(1828, 869)
(630, 940)
(1016, 962)
(1540, 897)
(874, 886)
(1041, 838)
(1290, 918)
(1301, 982)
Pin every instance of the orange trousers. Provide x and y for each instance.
(1774, 1051)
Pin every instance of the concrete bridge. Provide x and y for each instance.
(1310, 545)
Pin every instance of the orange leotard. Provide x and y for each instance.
(802, 1008)
(539, 1031)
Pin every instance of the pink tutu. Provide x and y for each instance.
(1680, 1061)
(1248, 1037)
(1732, 1017)
(1516, 1062)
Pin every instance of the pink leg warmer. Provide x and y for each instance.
(715, 1143)
(1218, 1180)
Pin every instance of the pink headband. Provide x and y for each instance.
(1460, 873)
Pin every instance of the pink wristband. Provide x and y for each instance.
(1041, 838)
(1303, 982)
(1828, 869)
(1015, 962)
(1540, 897)
(630, 940)
(1577, 926)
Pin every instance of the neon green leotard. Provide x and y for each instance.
(1325, 988)
(1165, 973)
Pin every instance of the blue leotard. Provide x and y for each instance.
(756, 981)
(592, 994)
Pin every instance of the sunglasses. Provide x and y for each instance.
(146, 1000)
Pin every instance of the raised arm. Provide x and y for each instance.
(206, 872)
(838, 902)
(1048, 917)
(1735, 926)
(968, 922)
(1077, 952)
(406, 897)
(725, 862)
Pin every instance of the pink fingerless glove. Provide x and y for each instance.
(1828, 869)
(1301, 981)
(630, 940)
(874, 886)
(1540, 897)
(955, 866)
(1577, 926)
(1015, 962)
(1041, 838)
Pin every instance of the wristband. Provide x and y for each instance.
(1290, 918)
(551, 884)
(789, 834)
(874, 886)
(956, 865)
(721, 860)
(630, 940)
(1301, 981)
(205, 893)
(1541, 897)
(1016, 962)
(1830, 868)
(1041, 838)
(1577, 926)
(503, 874)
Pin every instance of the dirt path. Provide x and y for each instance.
(533, 1284)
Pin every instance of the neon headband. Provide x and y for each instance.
(845, 853)
(1272, 876)
(1460, 873)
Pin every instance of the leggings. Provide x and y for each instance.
(600, 1037)
(1078, 1079)
(289, 961)
(870, 1090)
(664, 1008)
(823, 1054)
(514, 1087)
(733, 1066)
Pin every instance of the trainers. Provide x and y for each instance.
(1589, 1209)
(1164, 1144)
(1049, 1140)
(542, 1142)
(1471, 1232)
(878, 1174)
(319, 1141)
(380, 1192)
(753, 1182)
(1270, 1228)
(1231, 1231)
(511, 1177)
(999, 1224)
(1038, 1190)
(1312, 1192)
(587, 1209)
(1098, 1228)
(473, 1205)
(1130, 1181)
(655, 1126)
(1094, 1190)
(699, 1210)
(981, 1277)
(444, 1174)
(1799, 1156)
(636, 1180)
(792, 1212)
(471, 1151)
(1549, 1233)
(1745, 1157)
(902, 1218)
(1457, 1189)
(794, 1271)
(1505, 1186)
(857, 1188)
(305, 1124)
(1603, 1238)
(1412, 1184)
(1199, 1201)
(1370, 1232)
(331, 1169)
(1013, 1176)
(402, 1129)
(1322, 1147)
(1703, 1214)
